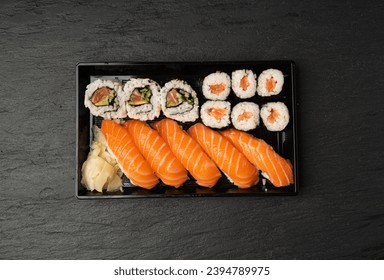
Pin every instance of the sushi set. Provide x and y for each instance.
(175, 129)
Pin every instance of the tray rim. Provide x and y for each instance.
(144, 63)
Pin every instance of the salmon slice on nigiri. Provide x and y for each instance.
(233, 163)
(278, 170)
(132, 163)
(158, 154)
(188, 152)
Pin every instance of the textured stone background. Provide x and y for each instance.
(338, 50)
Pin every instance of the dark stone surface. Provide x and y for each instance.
(338, 50)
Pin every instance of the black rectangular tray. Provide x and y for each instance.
(284, 143)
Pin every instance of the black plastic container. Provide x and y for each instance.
(284, 142)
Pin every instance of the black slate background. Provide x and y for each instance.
(338, 49)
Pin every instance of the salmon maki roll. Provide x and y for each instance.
(217, 86)
(121, 145)
(215, 114)
(270, 82)
(244, 83)
(245, 116)
(189, 153)
(275, 116)
(233, 163)
(158, 154)
(277, 169)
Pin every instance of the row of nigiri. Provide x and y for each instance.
(166, 152)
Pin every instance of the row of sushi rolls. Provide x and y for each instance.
(147, 148)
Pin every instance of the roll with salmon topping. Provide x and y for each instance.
(244, 83)
(245, 116)
(217, 86)
(142, 99)
(103, 99)
(275, 116)
(270, 82)
(179, 101)
(216, 114)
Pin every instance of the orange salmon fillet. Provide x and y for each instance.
(233, 163)
(158, 154)
(244, 83)
(262, 155)
(131, 162)
(218, 88)
(188, 152)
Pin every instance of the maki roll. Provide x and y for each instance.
(270, 82)
(244, 83)
(142, 99)
(217, 86)
(179, 101)
(215, 114)
(275, 116)
(245, 116)
(103, 99)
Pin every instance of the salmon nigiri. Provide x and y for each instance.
(159, 156)
(132, 163)
(188, 152)
(233, 163)
(257, 151)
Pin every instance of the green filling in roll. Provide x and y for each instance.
(103, 96)
(175, 97)
(140, 96)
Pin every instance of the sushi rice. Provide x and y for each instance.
(245, 116)
(142, 99)
(103, 99)
(244, 83)
(270, 82)
(179, 101)
(217, 86)
(275, 116)
(216, 114)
